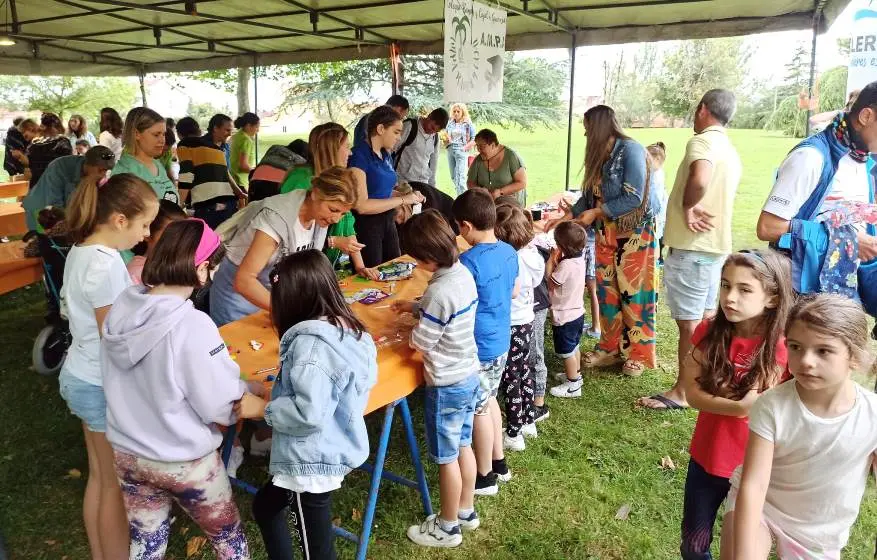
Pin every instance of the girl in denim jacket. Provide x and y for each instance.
(328, 365)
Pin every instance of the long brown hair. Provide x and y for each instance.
(601, 126)
(325, 149)
(717, 372)
(92, 205)
(111, 122)
(81, 130)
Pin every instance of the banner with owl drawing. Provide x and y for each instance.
(474, 51)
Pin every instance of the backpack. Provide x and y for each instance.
(412, 134)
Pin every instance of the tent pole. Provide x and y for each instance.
(812, 81)
(142, 76)
(572, 86)
(256, 101)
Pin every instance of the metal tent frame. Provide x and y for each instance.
(138, 37)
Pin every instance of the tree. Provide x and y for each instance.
(833, 89)
(635, 88)
(237, 81)
(789, 118)
(532, 92)
(797, 72)
(66, 95)
(695, 67)
(202, 112)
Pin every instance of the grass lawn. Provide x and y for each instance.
(593, 455)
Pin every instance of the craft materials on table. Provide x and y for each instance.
(367, 296)
(394, 271)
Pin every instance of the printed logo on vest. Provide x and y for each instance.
(218, 349)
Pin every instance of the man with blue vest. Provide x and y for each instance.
(828, 168)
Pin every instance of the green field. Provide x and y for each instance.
(593, 455)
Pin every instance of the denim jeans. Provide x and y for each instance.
(216, 211)
(311, 517)
(458, 161)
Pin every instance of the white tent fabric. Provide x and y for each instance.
(130, 37)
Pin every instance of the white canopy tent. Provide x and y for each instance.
(137, 37)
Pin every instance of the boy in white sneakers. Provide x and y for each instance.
(445, 335)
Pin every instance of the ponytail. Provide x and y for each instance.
(94, 202)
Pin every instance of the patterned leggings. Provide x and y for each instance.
(517, 383)
(200, 487)
(537, 352)
(704, 494)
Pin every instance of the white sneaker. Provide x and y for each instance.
(529, 431)
(430, 533)
(469, 524)
(235, 460)
(513, 443)
(568, 390)
(259, 448)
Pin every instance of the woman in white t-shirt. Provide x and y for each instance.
(267, 230)
(111, 127)
(812, 443)
(103, 220)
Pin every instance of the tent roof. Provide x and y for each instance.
(125, 37)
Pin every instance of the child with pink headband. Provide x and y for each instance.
(169, 380)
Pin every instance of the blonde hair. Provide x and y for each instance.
(325, 149)
(335, 184)
(93, 204)
(463, 111)
(514, 226)
(657, 155)
(137, 120)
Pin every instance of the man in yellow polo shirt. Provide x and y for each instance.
(698, 231)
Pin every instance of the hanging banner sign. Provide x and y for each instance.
(863, 50)
(474, 51)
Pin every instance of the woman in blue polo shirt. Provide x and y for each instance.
(375, 212)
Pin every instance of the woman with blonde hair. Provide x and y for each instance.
(460, 138)
(618, 204)
(144, 139)
(271, 229)
(330, 147)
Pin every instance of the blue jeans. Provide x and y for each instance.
(459, 166)
(448, 414)
(226, 304)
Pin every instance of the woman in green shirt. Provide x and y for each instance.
(243, 148)
(498, 169)
(144, 141)
(330, 148)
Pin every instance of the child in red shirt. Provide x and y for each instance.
(735, 356)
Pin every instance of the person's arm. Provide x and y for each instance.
(243, 162)
(472, 174)
(246, 281)
(433, 164)
(749, 507)
(100, 315)
(633, 183)
(867, 246)
(701, 400)
(770, 228)
(519, 183)
(239, 192)
(471, 142)
(307, 399)
(361, 269)
(431, 326)
(186, 176)
(366, 205)
(700, 173)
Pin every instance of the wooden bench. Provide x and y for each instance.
(17, 271)
(14, 189)
(12, 220)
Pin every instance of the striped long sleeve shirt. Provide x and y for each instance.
(445, 333)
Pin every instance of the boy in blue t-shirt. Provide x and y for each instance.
(494, 265)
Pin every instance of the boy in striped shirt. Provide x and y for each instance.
(445, 335)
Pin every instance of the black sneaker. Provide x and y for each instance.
(485, 485)
(541, 413)
(501, 470)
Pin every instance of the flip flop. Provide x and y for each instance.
(669, 404)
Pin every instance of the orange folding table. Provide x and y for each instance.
(400, 372)
(16, 270)
(12, 219)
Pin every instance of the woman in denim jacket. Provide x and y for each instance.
(328, 365)
(617, 203)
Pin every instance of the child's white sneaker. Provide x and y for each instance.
(513, 443)
(529, 431)
(568, 390)
(469, 523)
(431, 533)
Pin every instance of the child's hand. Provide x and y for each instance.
(370, 273)
(250, 406)
(402, 306)
(257, 388)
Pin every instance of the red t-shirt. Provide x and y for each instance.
(719, 442)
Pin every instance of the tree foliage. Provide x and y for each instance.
(788, 118)
(66, 95)
(833, 89)
(632, 89)
(693, 68)
(533, 89)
